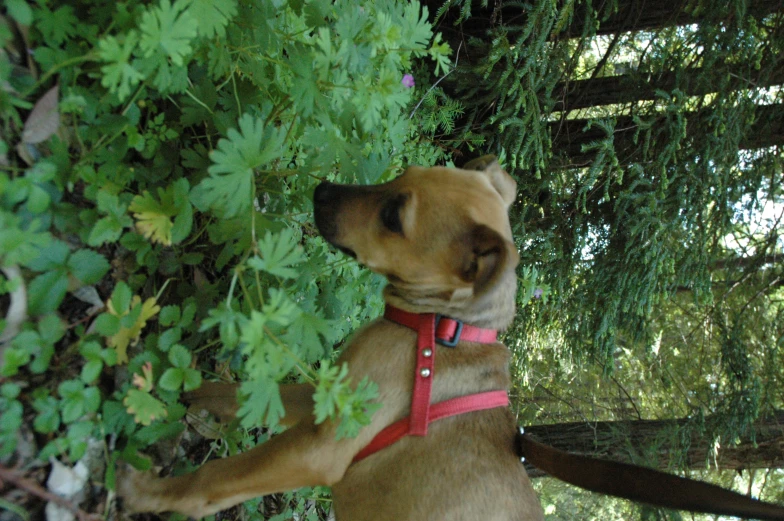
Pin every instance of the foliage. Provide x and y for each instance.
(157, 162)
(157, 206)
(649, 212)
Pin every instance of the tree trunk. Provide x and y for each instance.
(633, 87)
(569, 137)
(644, 15)
(630, 15)
(627, 441)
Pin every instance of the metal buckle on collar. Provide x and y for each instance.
(455, 338)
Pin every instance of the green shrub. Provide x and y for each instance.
(157, 167)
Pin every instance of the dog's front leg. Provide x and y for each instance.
(305, 455)
(220, 399)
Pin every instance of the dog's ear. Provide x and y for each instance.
(501, 181)
(485, 256)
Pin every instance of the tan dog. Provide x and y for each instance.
(442, 238)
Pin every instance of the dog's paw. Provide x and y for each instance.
(139, 491)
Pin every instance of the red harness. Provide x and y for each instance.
(432, 328)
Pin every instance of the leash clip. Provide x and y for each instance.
(456, 338)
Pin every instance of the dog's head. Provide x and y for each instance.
(435, 233)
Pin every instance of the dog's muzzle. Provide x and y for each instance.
(327, 200)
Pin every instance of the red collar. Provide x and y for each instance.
(448, 331)
(431, 329)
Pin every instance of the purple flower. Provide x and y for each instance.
(538, 292)
(408, 81)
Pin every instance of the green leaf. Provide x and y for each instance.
(38, 200)
(121, 298)
(334, 397)
(213, 16)
(229, 322)
(91, 370)
(46, 292)
(305, 332)
(48, 418)
(191, 379)
(169, 338)
(179, 356)
(77, 400)
(109, 228)
(159, 431)
(20, 11)
(105, 230)
(119, 76)
(262, 405)
(278, 253)
(10, 391)
(168, 29)
(77, 437)
(169, 315)
(144, 407)
(59, 25)
(171, 379)
(229, 190)
(154, 218)
(14, 359)
(107, 324)
(50, 257)
(88, 266)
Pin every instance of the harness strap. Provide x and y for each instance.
(448, 330)
(431, 329)
(438, 411)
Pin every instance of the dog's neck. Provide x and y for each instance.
(493, 309)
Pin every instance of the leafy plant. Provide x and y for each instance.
(157, 163)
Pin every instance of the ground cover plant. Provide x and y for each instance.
(156, 168)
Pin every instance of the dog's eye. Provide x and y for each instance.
(390, 214)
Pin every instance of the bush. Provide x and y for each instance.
(158, 162)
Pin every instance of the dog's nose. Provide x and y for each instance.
(325, 192)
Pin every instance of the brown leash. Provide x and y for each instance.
(642, 484)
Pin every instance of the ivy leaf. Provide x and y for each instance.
(119, 76)
(168, 29)
(278, 253)
(213, 16)
(229, 190)
(143, 406)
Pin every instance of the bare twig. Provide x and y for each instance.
(18, 480)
